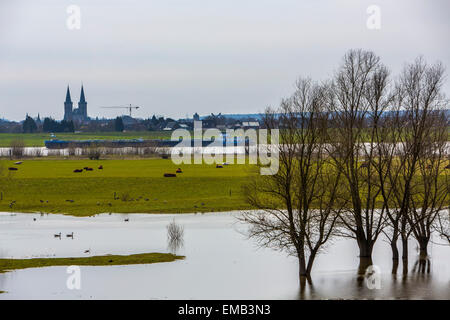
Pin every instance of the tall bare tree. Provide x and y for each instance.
(430, 191)
(359, 100)
(421, 137)
(299, 205)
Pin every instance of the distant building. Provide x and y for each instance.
(208, 123)
(172, 125)
(250, 124)
(79, 114)
(196, 117)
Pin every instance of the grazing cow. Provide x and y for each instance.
(89, 169)
(78, 170)
(18, 162)
(218, 166)
(169, 175)
(13, 169)
(179, 170)
(85, 168)
(100, 167)
(447, 167)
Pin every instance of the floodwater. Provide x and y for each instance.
(220, 262)
(239, 150)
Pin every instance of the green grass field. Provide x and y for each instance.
(200, 188)
(37, 139)
(108, 260)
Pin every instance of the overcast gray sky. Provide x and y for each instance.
(177, 57)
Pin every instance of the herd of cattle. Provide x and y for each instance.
(87, 169)
(169, 175)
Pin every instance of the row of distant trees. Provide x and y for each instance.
(49, 125)
(29, 125)
(363, 154)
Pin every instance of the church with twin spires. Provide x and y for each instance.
(79, 114)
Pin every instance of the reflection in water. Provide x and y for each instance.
(417, 284)
(422, 265)
(175, 237)
(306, 288)
(174, 245)
(362, 274)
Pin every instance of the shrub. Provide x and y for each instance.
(17, 148)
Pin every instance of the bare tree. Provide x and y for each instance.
(421, 138)
(359, 100)
(17, 148)
(299, 205)
(430, 191)
(175, 233)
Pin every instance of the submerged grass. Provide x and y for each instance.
(108, 260)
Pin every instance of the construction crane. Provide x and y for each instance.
(129, 107)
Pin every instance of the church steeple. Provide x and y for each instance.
(82, 105)
(82, 98)
(68, 99)
(68, 105)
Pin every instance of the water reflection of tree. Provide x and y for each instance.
(306, 288)
(422, 266)
(174, 245)
(175, 234)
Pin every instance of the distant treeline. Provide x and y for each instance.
(51, 125)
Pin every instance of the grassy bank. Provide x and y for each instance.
(108, 260)
(47, 185)
(37, 139)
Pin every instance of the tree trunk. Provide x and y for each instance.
(302, 267)
(404, 235)
(365, 249)
(405, 267)
(423, 247)
(394, 247)
(312, 256)
(394, 266)
(404, 248)
(364, 263)
(303, 282)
